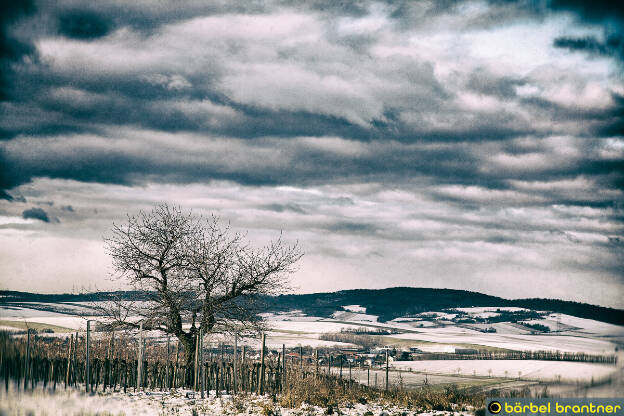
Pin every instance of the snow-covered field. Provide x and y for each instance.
(293, 328)
(354, 316)
(526, 369)
(176, 403)
(521, 342)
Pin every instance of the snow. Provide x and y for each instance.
(485, 315)
(437, 348)
(355, 317)
(354, 308)
(293, 329)
(529, 369)
(295, 313)
(161, 403)
(7, 312)
(406, 319)
(588, 325)
(475, 310)
(502, 328)
(311, 327)
(519, 342)
(297, 341)
(45, 317)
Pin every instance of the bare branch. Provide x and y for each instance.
(189, 270)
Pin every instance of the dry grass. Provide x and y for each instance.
(35, 325)
(332, 392)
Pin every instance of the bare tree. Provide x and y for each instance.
(188, 270)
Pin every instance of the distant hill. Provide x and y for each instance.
(401, 301)
(386, 303)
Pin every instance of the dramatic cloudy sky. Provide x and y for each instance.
(462, 144)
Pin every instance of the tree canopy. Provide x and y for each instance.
(196, 271)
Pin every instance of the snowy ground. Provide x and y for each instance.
(520, 342)
(526, 369)
(425, 331)
(176, 403)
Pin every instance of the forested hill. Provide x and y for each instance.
(401, 301)
(386, 303)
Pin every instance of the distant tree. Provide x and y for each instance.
(191, 272)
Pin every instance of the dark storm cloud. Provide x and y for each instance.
(351, 227)
(83, 25)
(60, 99)
(605, 13)
(355, 8)
(590, 10)
(11, 48)
(614, 121)
(613, 46)
(36, 213)
(483, 82)
(284, 208)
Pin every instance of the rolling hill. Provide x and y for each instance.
(386, 303)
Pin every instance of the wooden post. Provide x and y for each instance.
(262, 365)
(69, 356)
(235, 363)
(341, 367)
(301, 359)
(349, 372)
(75, 359)
(201, 361)
(167, 384)
(195, 369)
(243, 357)
(284, 384)
(87, 364)
(368, 376)
(316, 363)
(139, 376)
(175, 368)
(387, 382)
(110, 359)
(27, 362)
(329, 360)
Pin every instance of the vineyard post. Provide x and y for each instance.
(386, 369)
(368, 377)
(139, 375)
(201, 361)
(75, 359)
(234, 362)
(350, 373)
(329, 360)
(175, 368)
(27, 362)
(195, 362)
(262, 365)
(316, 363)
(87, 368)
(167, 385)
(341, 367)
(284, 385)
(110, 358)
(301, 358)
(69, 357)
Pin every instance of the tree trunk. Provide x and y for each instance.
(188, 341)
